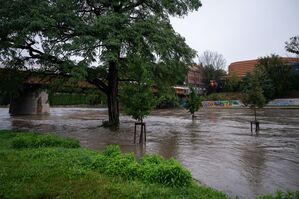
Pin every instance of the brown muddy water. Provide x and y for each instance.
(217, 147)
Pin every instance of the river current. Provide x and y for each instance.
(217, 147)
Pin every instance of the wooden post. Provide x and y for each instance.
(257, 126)
(135, 134)
(144, 132)
(142, 136)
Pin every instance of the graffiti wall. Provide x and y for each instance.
(222, 104)
(284, 102)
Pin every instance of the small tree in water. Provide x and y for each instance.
(193, 102)
(138, 99)
(253, 97)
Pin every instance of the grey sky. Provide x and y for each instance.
(241, 29)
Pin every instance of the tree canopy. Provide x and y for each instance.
(292, 45)
(278, 73)
(253, 95)
(193, 102)
(210, 58)
(96, 39)
(213, 66)
(137, 97)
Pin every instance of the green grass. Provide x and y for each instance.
(54, 171)
(47, 166)
(282, 195)
(37, 140)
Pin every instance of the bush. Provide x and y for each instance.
(168, 172)
(151, 168)
(112, 151)
(36, 141)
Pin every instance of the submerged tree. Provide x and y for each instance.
(138, 99)
(137, 96)
(193, 102)
(96, 39)
(253, 97)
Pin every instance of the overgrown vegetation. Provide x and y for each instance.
(59, 172)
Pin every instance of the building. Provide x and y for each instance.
(241, 68)
(194, 78)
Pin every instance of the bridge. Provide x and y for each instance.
(34, 97)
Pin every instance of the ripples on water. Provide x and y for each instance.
(217, 147)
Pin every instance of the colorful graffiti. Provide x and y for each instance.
(284, 102)
(222, 104)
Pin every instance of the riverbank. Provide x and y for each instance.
(217, 146)
(47, 166)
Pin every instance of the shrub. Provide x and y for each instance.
(151, 159)
(168, 172)
(36, 141)
(151, 168)
(123, 165)
(112, 151)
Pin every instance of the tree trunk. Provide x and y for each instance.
(255, 115)
(112, 94)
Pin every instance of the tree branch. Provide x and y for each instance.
(99, 84)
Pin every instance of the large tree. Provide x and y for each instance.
(279, 74)
(213, 66)
(96, 39)
(211, 58)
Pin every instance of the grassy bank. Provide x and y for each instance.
(46, 166)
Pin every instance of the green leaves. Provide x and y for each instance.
(37, 141)
(253, 95)
(138, 100)
(137, 95)
(193, 102)
(94, 31)
(292, 45)
(151, 168)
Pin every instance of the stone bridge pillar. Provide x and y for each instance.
(30, 102)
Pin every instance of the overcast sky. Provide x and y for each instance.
(241, 29)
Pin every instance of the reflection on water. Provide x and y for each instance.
(217, 147)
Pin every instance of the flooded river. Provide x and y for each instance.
(217, 147)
